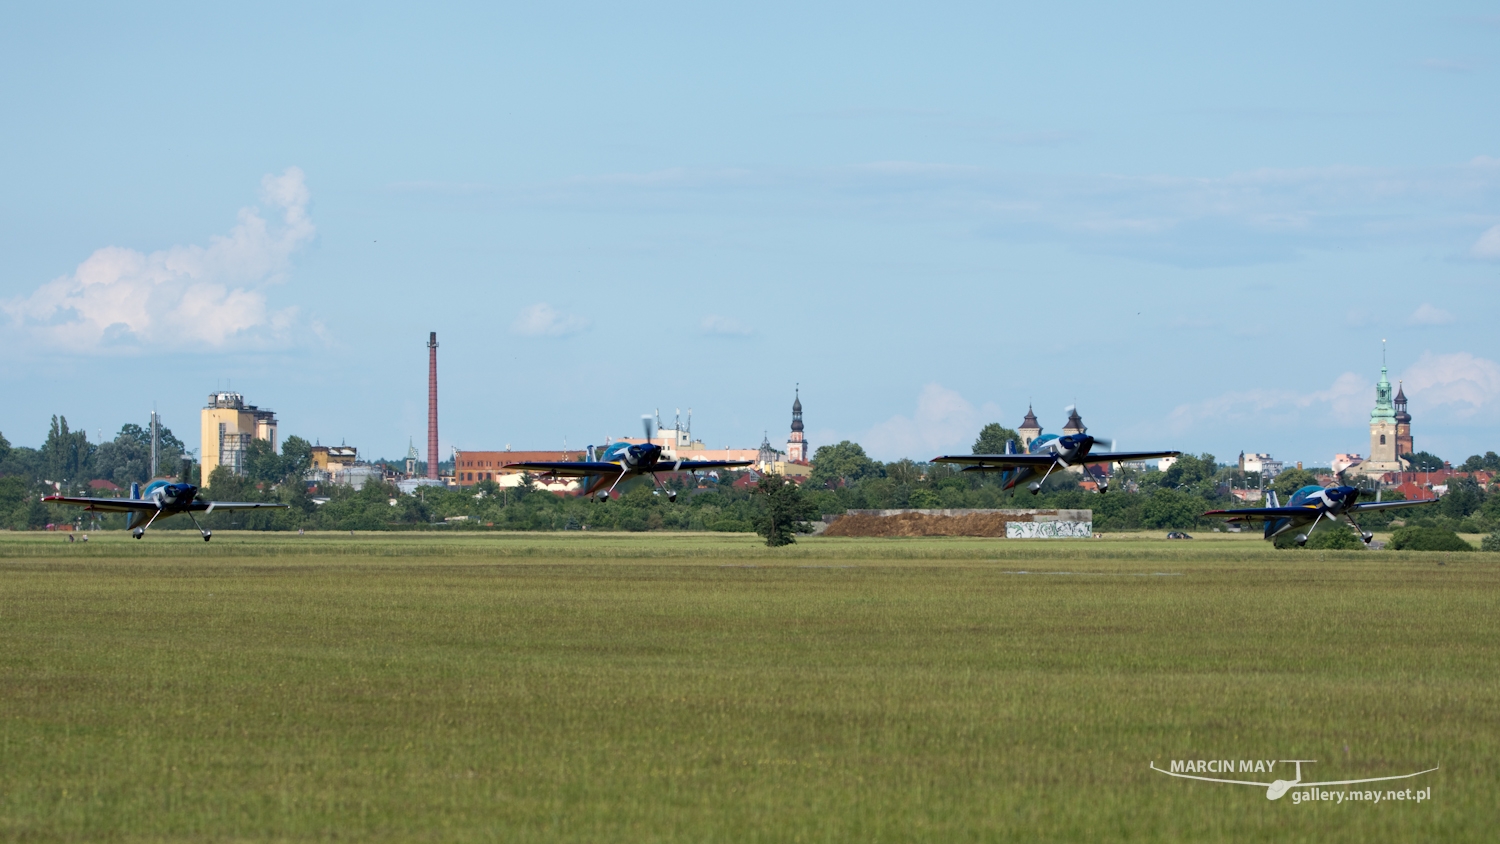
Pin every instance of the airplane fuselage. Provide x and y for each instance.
(1066, 449)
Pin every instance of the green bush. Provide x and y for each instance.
(1334, 537)
(1328, 536)
(1416, 538)
(1491, 542)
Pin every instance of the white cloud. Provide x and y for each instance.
(1345, 402)
(1462, 384)
(1488, 245)
(543, 320)
(714, 324)
(208, 296)
(944, 421)
(1427, 314)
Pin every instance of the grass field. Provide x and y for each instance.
(655, 687)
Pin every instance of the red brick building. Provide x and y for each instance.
(471, 467)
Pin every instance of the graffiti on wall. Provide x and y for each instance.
(1049, 530)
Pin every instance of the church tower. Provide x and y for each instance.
(1404, 444)
(1383, 454)
(796, 446)
(1075, 423)
(1030, 429)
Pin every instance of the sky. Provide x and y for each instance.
(1197, 224)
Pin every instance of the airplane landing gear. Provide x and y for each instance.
(1301, 539)
(672, 496)
(207, 534)
(1035, 487)
(138, 533)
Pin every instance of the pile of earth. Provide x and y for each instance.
(922, 524)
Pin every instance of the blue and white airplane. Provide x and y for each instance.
(1047, 453)
(162, 500)
(1308, 506)
(623, 462)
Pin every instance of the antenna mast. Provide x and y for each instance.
(155, 441)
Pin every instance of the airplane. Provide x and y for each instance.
(1052, 452)
(621, 461)
(1308, 506)
(161, 500)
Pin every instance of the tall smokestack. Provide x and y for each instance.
(432, 439)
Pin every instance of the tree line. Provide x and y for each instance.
(844, 477)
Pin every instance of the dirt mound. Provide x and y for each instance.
(921, 524)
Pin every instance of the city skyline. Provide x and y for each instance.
(1197, 228)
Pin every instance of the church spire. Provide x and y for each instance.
(796, 446)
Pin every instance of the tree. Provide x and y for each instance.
(993, 437)
(904, 471)
(1464, 498)
(1423, 461)
(1171, 508)
(66, 453)
(844, 463)
(1292, 480)
(780, 512)
(127, 458)
(296, 458)
(1490, 462)
(1188, 470)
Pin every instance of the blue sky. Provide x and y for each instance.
(1198, 224)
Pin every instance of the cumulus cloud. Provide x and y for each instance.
(1427, 314)
(944, 421)
(1345, 402)
(211, 296)
(1461, 384)
(1488, 245)
(715, 324)
(543, 320)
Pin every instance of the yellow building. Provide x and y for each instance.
(228, 427)
(334, 458)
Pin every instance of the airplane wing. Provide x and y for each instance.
(104, 505)
(569, 470)
(1261, 514)
(1391, 505)
(205, 506)
(995, 462)
(1126, 456)
(696, 465)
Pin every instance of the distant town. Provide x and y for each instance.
(241, 455)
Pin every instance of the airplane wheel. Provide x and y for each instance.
(139, 535)
(207, 537)
(1301, 540)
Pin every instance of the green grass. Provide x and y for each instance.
(701, 687)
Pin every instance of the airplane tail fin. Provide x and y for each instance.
(1271, 499)
(1010, 446)
(135, 491)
